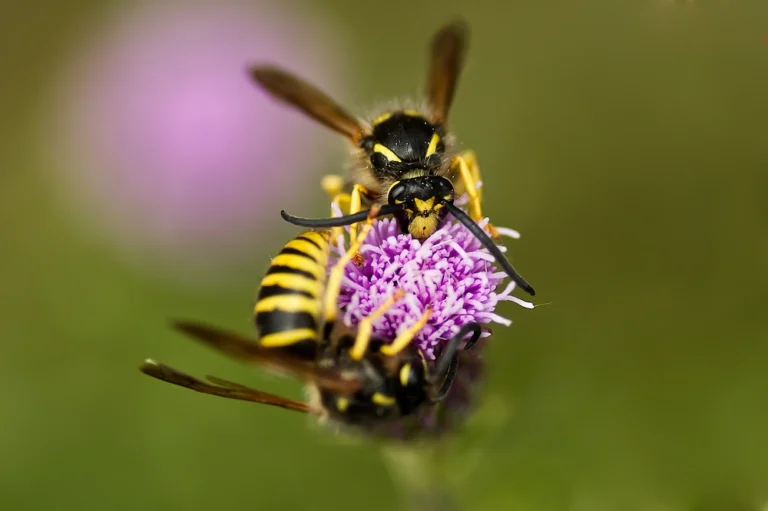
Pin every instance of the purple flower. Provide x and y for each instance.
(166, 146)
(450, 271)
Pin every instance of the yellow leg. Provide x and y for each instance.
(402, 340)
(332, 185)
(355, 205)
(333, 286)
(463, 164)
(365, 328)
(470, 175)
(471, 159)
(343, 200)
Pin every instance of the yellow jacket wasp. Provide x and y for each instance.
(404, 158)
(359, 379)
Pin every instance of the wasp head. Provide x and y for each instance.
(423, 201)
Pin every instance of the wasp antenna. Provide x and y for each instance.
(450, 377)
(338, 221)
(448, 364)
(488, 243)
(453, 345)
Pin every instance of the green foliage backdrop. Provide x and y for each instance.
(625, 140)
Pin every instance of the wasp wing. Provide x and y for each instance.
(446, 60)
(289, 88)
(246, 349)
(223, 388)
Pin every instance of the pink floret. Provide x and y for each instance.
(450, 271)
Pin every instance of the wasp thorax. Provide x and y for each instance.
(402, 141)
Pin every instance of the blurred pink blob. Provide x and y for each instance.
(166, 144)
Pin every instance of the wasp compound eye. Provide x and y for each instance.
(397, 194)
(379, 161)
(443, 187)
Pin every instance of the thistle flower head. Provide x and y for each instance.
(452, 273)
(449, 271)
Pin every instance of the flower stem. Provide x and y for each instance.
(430, 475)
(415, 471)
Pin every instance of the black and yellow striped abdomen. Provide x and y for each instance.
(289, 303)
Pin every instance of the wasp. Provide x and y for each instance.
(404, 160)
(358, 379)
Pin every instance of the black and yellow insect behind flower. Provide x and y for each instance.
(381, 386)
(405, 158)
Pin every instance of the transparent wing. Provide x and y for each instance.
(289, 88)
(446, 60)
(222, 388)
(243, 348)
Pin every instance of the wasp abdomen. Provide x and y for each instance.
(287, 311)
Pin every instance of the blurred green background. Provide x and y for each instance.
(627, 141)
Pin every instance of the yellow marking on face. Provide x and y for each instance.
(424, 362)
(421, 227)
(382, 399)
(438, 207)
(383, 117)
(433, 145)
(299, 263)
(412, 113)
(287, 338)
(424, 205)
(293, 281)
(288, 303)
(405, 373)
(308, 248)
(386, 151)
(342, 404)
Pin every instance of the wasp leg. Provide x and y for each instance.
(405, 337)
(349, 203)
(352, 202)
(355, 205)
(332, 185)
(365, 327)
(342, 200)
(470, 176)
(337, 272)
